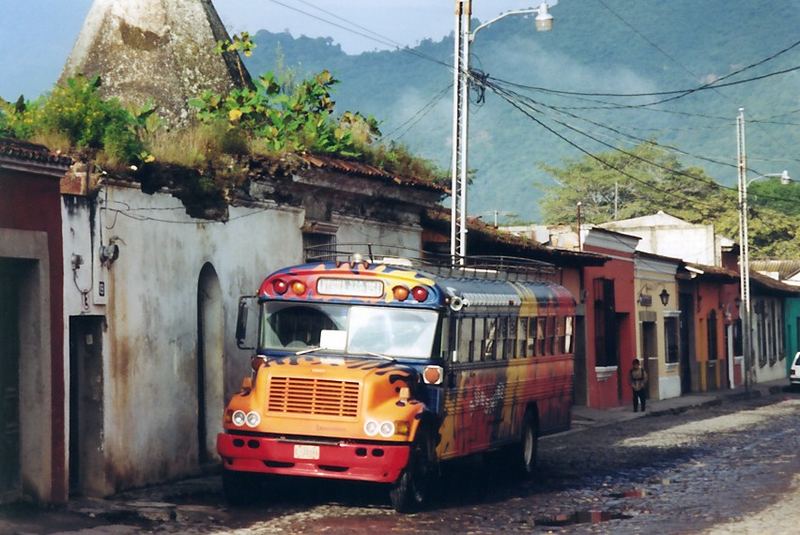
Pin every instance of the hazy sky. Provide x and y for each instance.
(37, 35)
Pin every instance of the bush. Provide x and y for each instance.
(90, 122)
(77, 115)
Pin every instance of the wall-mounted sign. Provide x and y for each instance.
(645, 300)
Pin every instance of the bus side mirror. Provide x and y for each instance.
(245, 303)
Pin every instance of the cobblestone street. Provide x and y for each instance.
(727, 468)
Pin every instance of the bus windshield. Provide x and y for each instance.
(352, 329)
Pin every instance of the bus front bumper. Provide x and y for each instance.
(379, 463)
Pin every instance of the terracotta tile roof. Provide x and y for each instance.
(488, 236)
(757, 280)
(363, 169)
(30, 152)
(770, 285)
(713, 272)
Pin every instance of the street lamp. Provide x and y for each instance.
(744, 256)
(461, 76)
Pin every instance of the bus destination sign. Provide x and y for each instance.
(350, 287)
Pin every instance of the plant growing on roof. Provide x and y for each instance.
(238, 43)
(76, 115)
(289, 117)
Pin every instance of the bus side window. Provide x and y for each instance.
(511, 339)
(470, 357)
(479, 338)
(444, 338)
(464, 339)
(502, 338)
(540, 323)
(491, 339)
(551, 335)
(568, 335)
(523, 338)
(561, 326)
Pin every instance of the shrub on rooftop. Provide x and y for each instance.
(75, 117)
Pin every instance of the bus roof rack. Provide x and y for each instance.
(477, 266)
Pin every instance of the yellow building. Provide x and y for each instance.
(658, 322)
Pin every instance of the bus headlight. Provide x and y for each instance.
(253, 419)
(371, 427)
(238, 418)
(386, 429)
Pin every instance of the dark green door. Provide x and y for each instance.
(9, 378)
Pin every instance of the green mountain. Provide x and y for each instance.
(597, 46)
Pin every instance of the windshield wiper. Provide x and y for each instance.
(378, 355)
(370, 353)
(308, 350)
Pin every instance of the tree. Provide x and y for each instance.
(647, 179)
(644, 180)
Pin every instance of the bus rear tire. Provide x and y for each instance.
(528, 448)
(412, 491)
(239, 488)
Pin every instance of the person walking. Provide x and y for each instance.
(638, 382)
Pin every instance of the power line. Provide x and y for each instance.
(368, 34)
(501, 92)
(416, 117)
(637, 138)
(677, 94)
(510, 95)
(643, 36)
(681, 65)
(627, 153)
(351, 23)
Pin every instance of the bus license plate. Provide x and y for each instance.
(304, 451)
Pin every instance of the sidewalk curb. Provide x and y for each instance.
(711, 401)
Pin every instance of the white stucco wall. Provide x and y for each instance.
(406, 238)
(670, 386)
(151, 374)
(150, 347)
(772, 335)
(692, 244)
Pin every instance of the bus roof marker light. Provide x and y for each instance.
(298, 287)
(419, 293)
(280, 286)
(400, 293)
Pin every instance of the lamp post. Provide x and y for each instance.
(744, 255)
(461, 75)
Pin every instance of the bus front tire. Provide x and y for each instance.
(411, 492)
(239, 488)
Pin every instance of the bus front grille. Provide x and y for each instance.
(301, 395)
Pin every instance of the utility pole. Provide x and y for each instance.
(578, 207)
(458, 209)
(744, 254)
(461, 75)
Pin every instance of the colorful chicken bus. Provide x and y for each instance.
(375, 371)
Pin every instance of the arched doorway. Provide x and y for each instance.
(210, 332)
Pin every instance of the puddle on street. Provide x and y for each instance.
(580, 517)
(631, 493)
